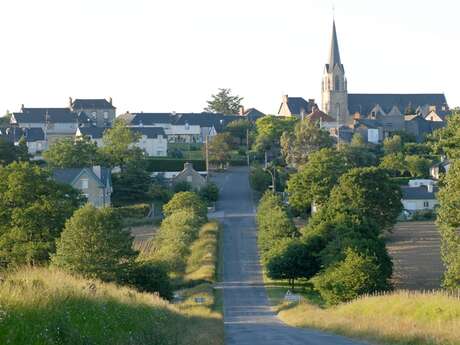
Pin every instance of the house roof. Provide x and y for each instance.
(369, 123)
(93, 131)
(364, 103)
(70, 175)
(14, 134)
(218, 121)
(418, 193)
(92, 104)
(149, 132)
(318, 116)
(298, 105)
(253, 114)
(41, 115)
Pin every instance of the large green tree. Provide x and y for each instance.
(184, 201)
(219, 149)
(132, 184)
(418, 166)
(33, 211)
(224, 102)
(307, 138)
(94, 244)
(315, 180)
(449, 225)
(446, 141)
(270, 129)
(239, 129)
(70, 153)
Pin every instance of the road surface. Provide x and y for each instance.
(248, 317)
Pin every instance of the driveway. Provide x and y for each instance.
(248, 317)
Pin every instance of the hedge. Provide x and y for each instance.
(162, 165)
(133, 211)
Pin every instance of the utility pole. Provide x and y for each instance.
(207, 157)
(247, 145)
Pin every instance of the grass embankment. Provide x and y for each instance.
(43, 306)
(401, 318)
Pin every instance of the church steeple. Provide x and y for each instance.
(334, 58)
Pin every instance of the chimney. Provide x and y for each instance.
(188, 166)
(430, 188)
(110, 100)
(22, 107)
(241, 110)
(70, 102)
(97, 171)
(285, 99)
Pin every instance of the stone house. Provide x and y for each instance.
(101, 112)
(296, 106)
(191, 176)
(95, 183)
(34, 137)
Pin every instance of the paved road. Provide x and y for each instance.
(247, 315)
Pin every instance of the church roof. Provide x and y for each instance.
(334, 57)
(364, 103)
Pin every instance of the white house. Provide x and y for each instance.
(35, 138)
(419, 195)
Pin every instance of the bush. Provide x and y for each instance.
(354, 276)
(133, 211)
(182, 186)
(186, 200)
(209, 193)
(259, 179)
(424, 215)
(151, 277)
(175, 153)
(94, 244)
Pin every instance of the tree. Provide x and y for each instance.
(184, 201)
(95, 245)
(358, 156)
(356, 275)
(418, 166)
(259, 179)
(33, 211)
(307, 138)
(7, 152)
(209, 193)
(224, 102)
(219, 149)
(394, 162)
(132, 184)
(446, 141)
(273, 222)
(150, 277)
(291, 259)
(449, 223)
(239, 129)
(270, 129)
(22, 151)
(357, 140)
(315, 180)
(367, 193)
(119, 145)
(70, 153)
(392, 145)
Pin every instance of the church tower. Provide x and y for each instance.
(334, 88)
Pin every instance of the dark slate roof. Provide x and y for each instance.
(253, 114)
(363, 103)
(92, 104)
(369, 123)
(318, 116)
(14, 134)
(149, 132)
(147, 119)
(83, 118)
(218, 121)
(93, 131)
(334, 56)
(418, 193)
(298, 105)
(68, 175)
(39, 115)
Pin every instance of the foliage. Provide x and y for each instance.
(356, 275)
(259, 179)
(10, 153)
(33, 211)
(150, 277)
(186, 201)
(131, 185)
(273, 222)
(209, 193)
(133, 211)
(392, 145)
(224, 102)
(22, 151)
(239, 129)
(367, 193)
(358, 156)
(219, 149)
(395, 163)
(175, 153)
(163, 165)
(119, 149)
(270, 129)
(449, 223)
(94, 244)
(182, 186)
(70, 153)
(307, 138)
(315, 180)
(159, 192)
(418, 166)
(446, 141)
(291, 259)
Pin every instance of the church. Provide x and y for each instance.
(393, 110)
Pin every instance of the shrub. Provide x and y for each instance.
(175, 153)
(94, 244)
(133, 211)
(151, 277)
(182, 186)
(356, 275)
(259, 179)
(186, 200)
(209, 193)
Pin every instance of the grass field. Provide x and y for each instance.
(401, 318)
(42, 306)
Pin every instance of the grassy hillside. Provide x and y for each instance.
(401, 318)
(41, 306)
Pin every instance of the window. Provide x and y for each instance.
(426, 204)
(84, 183)
(189, 179)
(106, 115)
(337, 83)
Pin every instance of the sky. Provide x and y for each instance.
(164, 56)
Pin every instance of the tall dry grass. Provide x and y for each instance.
(45, 306)
(402, 318)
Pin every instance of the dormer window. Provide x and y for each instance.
(187, 126)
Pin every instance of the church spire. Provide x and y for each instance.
(334, 58)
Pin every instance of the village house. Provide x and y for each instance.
(190, 176)
(34, 138)
(419, 195)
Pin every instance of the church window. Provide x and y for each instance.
(337, 83)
